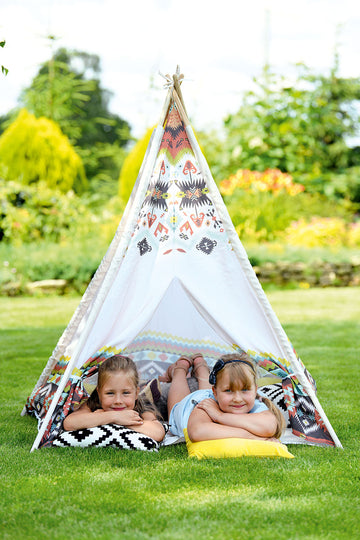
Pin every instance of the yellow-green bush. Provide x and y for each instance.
(131, 166)
(264, 205)
(323, 231)
(354, 234)
(35, 149)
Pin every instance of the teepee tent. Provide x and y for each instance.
(176, 280)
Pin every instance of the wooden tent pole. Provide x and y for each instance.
(180, 108)
(177, 81)
(166, 107)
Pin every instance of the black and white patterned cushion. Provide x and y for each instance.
(276, 394)
(108, 435)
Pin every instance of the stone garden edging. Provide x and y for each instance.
(281, 273)
(315, 274)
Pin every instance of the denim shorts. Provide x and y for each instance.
(180, 413)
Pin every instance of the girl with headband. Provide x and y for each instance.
(226, 404)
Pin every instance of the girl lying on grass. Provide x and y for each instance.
(226, 404)
(116, 400)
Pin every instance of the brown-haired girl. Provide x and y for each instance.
(226, 404)
(116, 400)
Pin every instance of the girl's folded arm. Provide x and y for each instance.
(150, 427)
(201, 428)
(262, 424)
(84, 418)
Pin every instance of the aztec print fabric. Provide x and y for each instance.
(303, 418)
(108, 435)
(177, 211)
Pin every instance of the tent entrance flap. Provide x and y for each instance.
(175, 328)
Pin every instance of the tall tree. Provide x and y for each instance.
(67, 89)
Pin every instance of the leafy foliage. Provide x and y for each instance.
(271, 180)
(58, 93)
(67, 89)
(325, 231)
(304, 128)
(263, 205)
(131, 166)
(76, 262)
(29, 213)
(34, 149)
(213, 144)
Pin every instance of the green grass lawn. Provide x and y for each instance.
(107, 493)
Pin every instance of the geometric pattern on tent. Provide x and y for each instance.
(177, 209)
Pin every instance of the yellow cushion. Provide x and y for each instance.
(233, 447)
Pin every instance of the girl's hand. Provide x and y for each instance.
(211, 408)
(127, 417)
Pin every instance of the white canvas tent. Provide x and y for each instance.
(176, 279)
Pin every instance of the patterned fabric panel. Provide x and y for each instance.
(108, 435)
(39, 402)
(275, 393)
(305, 420)
(177, 212)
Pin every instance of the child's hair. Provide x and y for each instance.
(242, 375)
(112, 365)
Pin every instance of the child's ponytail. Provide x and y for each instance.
(280, 421)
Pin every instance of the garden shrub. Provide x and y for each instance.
(344, 185)
(29, 213)
(323, 231)
(271, 180)
(276, 252)
(262, 206)
(354, 234)
(35, 150)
